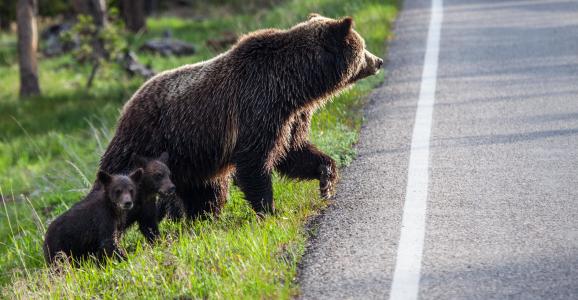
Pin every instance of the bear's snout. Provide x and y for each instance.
(126, 202)
(371, 66)
(126, 205)
(172, 190)
(374, 63)
(168, 189)
(379, 63)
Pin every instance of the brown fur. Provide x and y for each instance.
(249, 107)
(93, 226)
(155, 183)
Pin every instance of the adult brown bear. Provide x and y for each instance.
(246, 111)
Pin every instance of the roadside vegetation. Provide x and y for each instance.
(49, 151)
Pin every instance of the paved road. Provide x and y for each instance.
(502, 199)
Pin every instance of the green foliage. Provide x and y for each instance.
(49, 150)
(46, 8)
(97, 46)
(7, 49)
(52, 8)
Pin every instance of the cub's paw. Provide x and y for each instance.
(328, 180)
(120, 254)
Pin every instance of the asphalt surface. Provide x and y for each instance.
(502, 210)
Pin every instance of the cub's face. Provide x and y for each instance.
(121, 189)
(157, 176)
(339, 38)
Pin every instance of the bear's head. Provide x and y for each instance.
(157, 176)
(312, 60)
(120, 189)
(337, 38)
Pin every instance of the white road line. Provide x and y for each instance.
(406, 277)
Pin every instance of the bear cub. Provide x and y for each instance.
(155, 185)
(92, 227)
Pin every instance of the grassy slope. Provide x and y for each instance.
(50, 147)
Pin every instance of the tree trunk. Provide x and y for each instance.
(92, 75)
(27, 45)
(133, 13)
(94, 8)
(151, 7)
(80, 7)
(97, 10)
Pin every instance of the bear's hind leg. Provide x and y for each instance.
(255, 182)
(201, 200)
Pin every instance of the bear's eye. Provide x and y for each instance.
(158, 176)
(117, 192)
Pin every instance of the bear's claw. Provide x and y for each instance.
(328, 180)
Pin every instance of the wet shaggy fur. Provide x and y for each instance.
(154, 191)
(246, 111)
(92, 226)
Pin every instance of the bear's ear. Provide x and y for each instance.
(104, 177)
(138, 160)
(136, 175)
(342, 27)
(164, 158)
(313, 15)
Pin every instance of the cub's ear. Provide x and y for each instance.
(138, 160)
(104, 177)
(342, 27)
(136, 175)
(313, 15)
(164, 158)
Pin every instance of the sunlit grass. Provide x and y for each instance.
(49, 150)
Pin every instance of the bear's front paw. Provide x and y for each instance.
(328, 180)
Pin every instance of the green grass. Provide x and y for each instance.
(50, 146)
